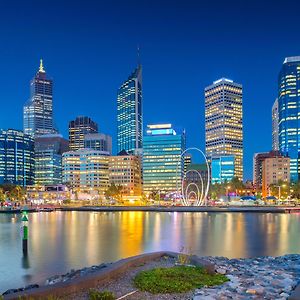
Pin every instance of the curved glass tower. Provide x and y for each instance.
(289, 112)
(129, 111)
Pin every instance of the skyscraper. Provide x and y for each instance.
(163, 162)
(288, 110)
(16, 157)
(98, 141)
(48, 150)
(129, 113)
(275, 137)
(78, 129)
(38, 112)
(224, 121)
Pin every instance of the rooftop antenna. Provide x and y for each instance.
(41, 68)
(138, 55)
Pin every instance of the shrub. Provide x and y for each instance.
(97, 295)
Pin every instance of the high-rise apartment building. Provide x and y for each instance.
(274, 171)
(78, 128)
(163, 163)
(275, 117)
(86, 169)
(224, 121)
(125, 171)
(288, 110)
(38, 111)
(48, 150)
(129, 113)
(98, 141)
(16, 157)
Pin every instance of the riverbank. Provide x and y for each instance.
(214, 209)
(252, 209)
(251, 278)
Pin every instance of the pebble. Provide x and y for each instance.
(254, 278)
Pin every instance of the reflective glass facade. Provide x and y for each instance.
(48, 159)
(224, 121)
(289, 113)
(222, 168)
(163, 163)
(275, 120)
(38, 112)
(129, 113)
(16, 158)
(98, 141)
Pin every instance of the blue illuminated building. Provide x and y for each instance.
(129, 113)
(288, 110)
(16, 158)
(222, 168)
(163, 163)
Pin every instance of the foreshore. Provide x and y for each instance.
(249, 278)
(212, 209)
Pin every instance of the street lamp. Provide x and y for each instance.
(279, 190)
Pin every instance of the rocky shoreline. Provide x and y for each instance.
(250, 278)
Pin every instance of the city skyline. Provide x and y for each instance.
(177, 89)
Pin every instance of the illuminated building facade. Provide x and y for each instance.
(258, 160)
(187, 160)
(125, 170)
(129, 113)
(48, 151)
(78, 129)
(16, 158)
(275, 117)
(163, 164)
(222, 168)
(274, 170)
(98, 141)
(224, 122)
(86, 169)
(192, 173)
(288, 110)
(38, 112)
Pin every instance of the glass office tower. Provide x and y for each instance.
(288, 110)
(275, 119)
(38, 112)
(16, 158)
(129, 113)
(222, 168)
(78, 129)
(224, 122)
(163, 163)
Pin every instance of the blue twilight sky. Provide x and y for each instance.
(89, 48)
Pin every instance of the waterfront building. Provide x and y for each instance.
(288, 108)
(78, 128)
(275, 117)
(258, 160)
(98, 141)
(222, 168)
(274, 171)
(38, 111)
(48, 151)
(224, 122)
(16, 157)
(163, 163)
(86, 169)
(125, 171)
(129, 113)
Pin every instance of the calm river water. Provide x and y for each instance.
(60, 241)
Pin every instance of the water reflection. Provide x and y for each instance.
(60, 241)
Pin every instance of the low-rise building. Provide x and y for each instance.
(275, 170)
(86, 170)
(125, 171)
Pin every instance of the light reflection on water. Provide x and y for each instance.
(60, 241)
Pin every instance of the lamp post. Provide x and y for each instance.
(228, 188)
(279, 190)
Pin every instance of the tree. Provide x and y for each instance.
(114, 192)
(2, 195)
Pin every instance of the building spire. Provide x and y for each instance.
(41, 69)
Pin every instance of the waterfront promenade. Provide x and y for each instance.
(214, 209)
